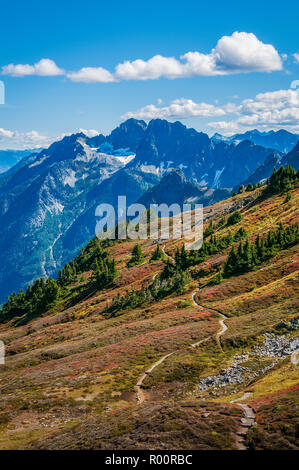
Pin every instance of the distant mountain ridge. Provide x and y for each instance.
(10, 158)
(274, 161)
(47, 206)
(280, 140)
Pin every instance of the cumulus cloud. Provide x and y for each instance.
(91, 75)
(271, 110)
(179, 109)
(5, 133)
(244, 52)
(23, 140)
(156, 67)
(241, 52)
(224, 127)
(45, 67)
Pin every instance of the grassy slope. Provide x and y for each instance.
(74, 364)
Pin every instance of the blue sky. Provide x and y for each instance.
(215, 88)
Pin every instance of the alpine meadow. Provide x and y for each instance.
(149, 230)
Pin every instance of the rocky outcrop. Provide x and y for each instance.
(277, 347)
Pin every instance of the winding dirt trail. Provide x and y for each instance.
(168, 256)
(249, 414)
(138, 387)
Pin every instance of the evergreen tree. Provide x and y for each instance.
(158, 254)
(137, 256)
(235, 218)
(281, 180)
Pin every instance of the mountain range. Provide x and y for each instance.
(280, 140)
(47, 203)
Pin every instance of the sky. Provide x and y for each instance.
(216, 66)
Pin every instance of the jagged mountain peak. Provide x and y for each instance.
(128, 134)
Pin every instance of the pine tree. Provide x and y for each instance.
(231, 263)
(158, 254)
(137, 256)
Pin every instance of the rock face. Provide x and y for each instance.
(214, 165)
(47, 205)
(175, 188)
(128, 135)
(264, 171)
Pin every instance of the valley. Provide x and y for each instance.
(210, 365)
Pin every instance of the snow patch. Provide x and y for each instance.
(90, 153)
(152, 169)
(38, 162)
(124, 159)
(217, 178)
(70, 178)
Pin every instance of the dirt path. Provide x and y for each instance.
(168, 256)
(138, 387)
(294, 357)
(247, 422)
(249, 414)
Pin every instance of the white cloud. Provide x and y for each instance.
(225, 127)
(23, 140)
(89, 132)
(241, 52)
(91, 75)
(45, 67)
(179, 109)
(156, 67)
(244, 52)
(5, 133)
(296, 58)
(272, 110)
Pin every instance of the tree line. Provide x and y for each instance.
(149, 292)
(44, 293)
(251, 254)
